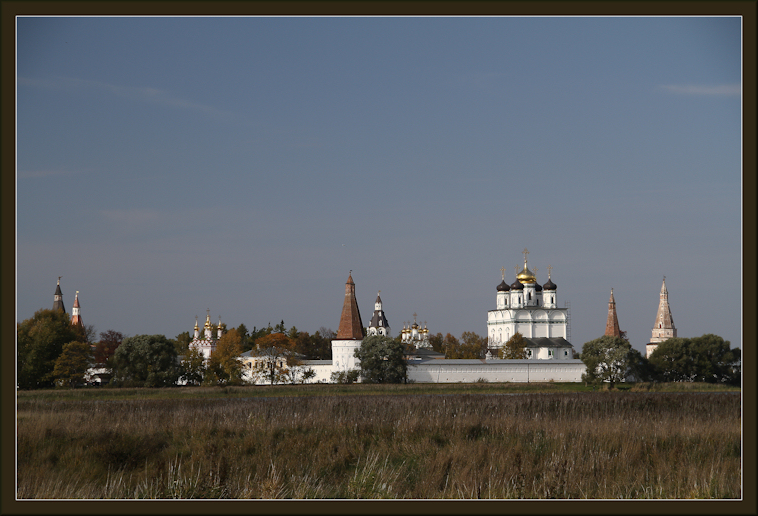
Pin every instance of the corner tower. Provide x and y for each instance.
(58, 298)
(664, 328)
(612, 324)
(350, 331)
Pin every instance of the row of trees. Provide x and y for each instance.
(708, 358)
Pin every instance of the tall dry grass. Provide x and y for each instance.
(592, 446)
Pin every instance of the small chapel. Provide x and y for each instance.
(207, 343)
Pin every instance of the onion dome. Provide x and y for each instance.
(537, 287)
(503, 287)
(549, 285)
(516, 285)
(526, 276)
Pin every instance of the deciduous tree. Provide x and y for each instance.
(225, 367)
(193, 367)
(381, 360)
(109, 342)
(275, 355)
(609, 359)
(515, 348)
(40, 341)
(707, 358)
(146, 361)
(72, 364)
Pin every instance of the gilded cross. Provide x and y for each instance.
(525, 253)
(414, 317)
(549, 270)
(502, 270)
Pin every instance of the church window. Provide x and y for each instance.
(530, 295)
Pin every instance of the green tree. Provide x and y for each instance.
(182, 342)
(224, 366)
(146, 361)
(381, 360)
(515, 348)
(40, 341)
(72, 364)
(708, 358)
(608, 359)
(345, 377)
(193, 367)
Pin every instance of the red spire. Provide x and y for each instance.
(351, 325)
(76, 319)
(612, 325)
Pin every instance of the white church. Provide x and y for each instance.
(524, 307)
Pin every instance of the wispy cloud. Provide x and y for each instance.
(25, 174)
(723, 90)
(140, 94)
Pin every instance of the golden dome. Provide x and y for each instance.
(526, 276)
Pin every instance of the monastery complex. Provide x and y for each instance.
(524, 307)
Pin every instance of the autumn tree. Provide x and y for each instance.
(381, 360)
(146, 361)
(436, 342)
(275, 355)
(72, 364)
(515, 348)
(224, 366)
(473, 345)
(103, 351)
(40, 342)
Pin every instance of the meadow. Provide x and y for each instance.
(408, 441)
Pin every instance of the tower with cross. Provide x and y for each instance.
(530, 309)
(378, 324)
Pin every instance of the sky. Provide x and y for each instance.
(170, 167)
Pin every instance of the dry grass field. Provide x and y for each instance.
(589, 445)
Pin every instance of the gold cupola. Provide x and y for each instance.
(526, 276)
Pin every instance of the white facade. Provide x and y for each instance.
(343, 355)
(526, 307)
(206, 344)
(470, 371)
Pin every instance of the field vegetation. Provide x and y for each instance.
(469, 441)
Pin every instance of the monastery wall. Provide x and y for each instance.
(496, 371)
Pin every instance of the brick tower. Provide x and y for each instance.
(350, 332)
(612, 324)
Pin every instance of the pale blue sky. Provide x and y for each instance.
(244, 165)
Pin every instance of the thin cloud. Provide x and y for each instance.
(722, 90)
(26, 174)
(144, 94)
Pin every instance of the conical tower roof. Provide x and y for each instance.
(612, 325)
(351, 325)
(76, 318)
(58, 298)
(663, 319)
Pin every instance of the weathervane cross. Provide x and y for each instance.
(525, 253)
(502, 271)
(549, 270)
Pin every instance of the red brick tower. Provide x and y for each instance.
(612, 325)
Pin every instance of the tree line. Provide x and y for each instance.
(52, 352)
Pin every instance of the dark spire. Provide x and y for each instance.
(58, 298)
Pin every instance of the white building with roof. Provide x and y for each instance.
(531, 309)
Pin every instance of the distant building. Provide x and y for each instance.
(378, 324)
(664, 328)
(350, 332)
(612, 324)
(528, 308)
(413, 336)
(58, 298)
(207, 343)
(76, 318)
